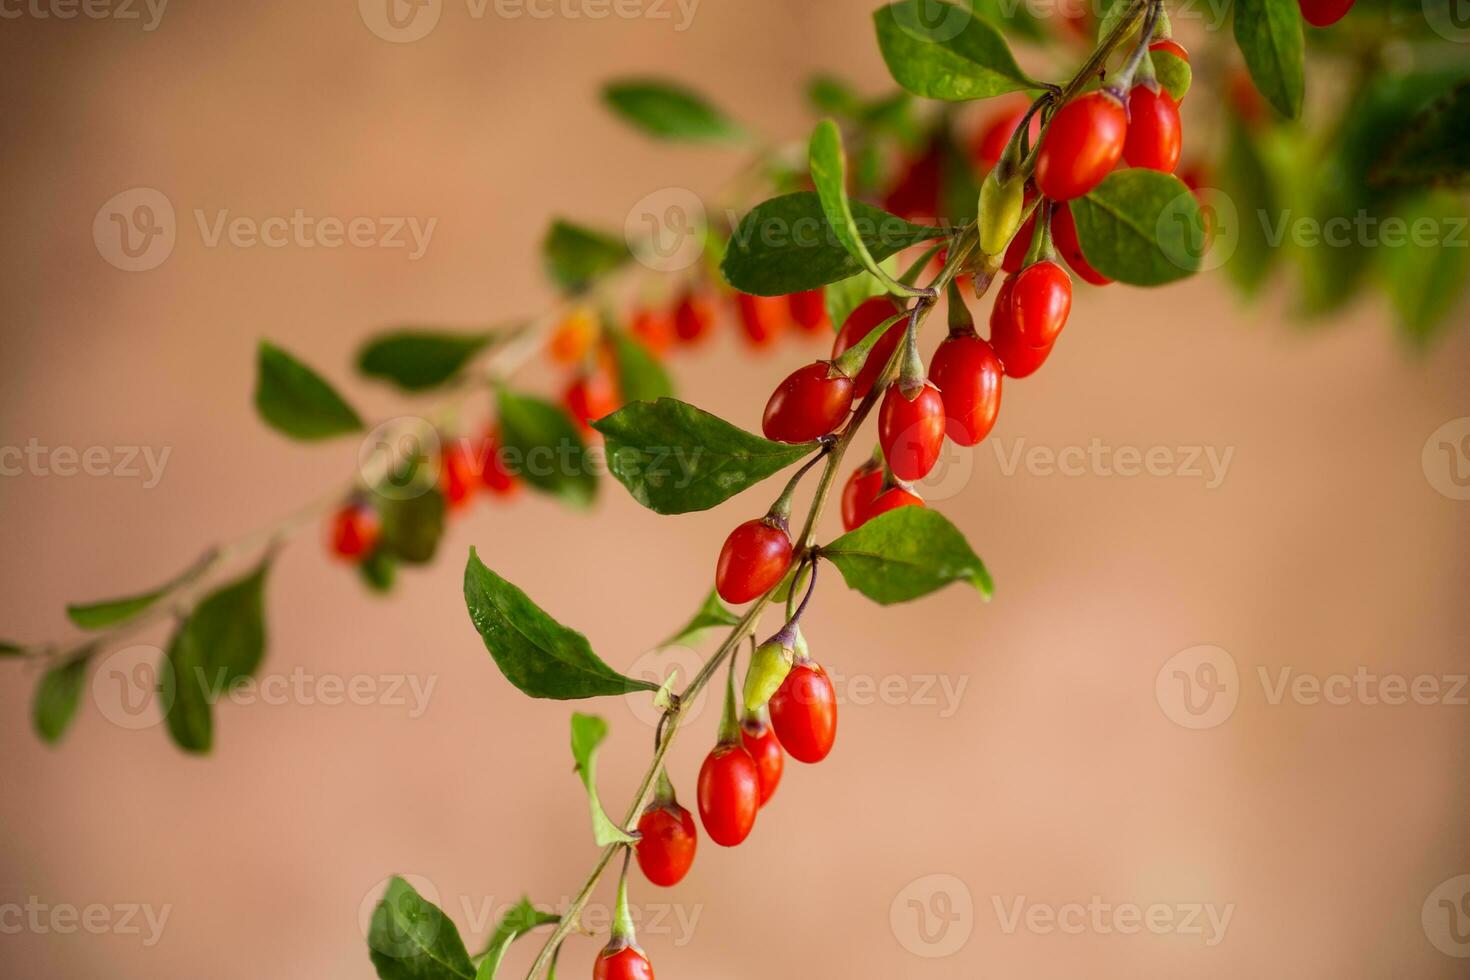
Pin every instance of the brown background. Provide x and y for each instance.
(1060, 777)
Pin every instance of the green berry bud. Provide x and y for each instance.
(769, 666)
(1001, 205)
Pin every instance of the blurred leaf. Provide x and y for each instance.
(641, 378)
(588, 731)
(185, 694)
(516, 922)
(831, 96)
(412, 526)
(379, 570)
(228, 628)
(1434, 147)
(1141, 227)
(1016, 19)
(417, 360)
(1427, 271)
(1247, 183)
(669, 111)
(904, 554)
(57, 696)
(711, 615)
(294, 400)
(11, 649)
(575, 255)
(411, 939)
(845, 295)
(110, 612)
(1269, 34)
(541, 444)
(941, 51)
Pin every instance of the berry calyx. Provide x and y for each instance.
(590, 396)
(890, 499)
(1081, 146)
(1324, 13)
(911, 429)
(355, 530)
(1064, 237)
(753, 559)
(811, 402)
(667, 838)
(859, 490)
(623, 963)
(759, 739)
(866, 316)
(808, 309)
(1041, 299)
(459, 473)
(804, 712)
(763, 317)
(968, 375)
(1154, 140)
(694, 314)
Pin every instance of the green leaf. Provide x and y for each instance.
(1113, 12)
(228, 627)
(575, 255)
(785, 245)
(942, 51)
(904, 554)
(831, 96)
(712, 614)
(417, 360)
(185, 693)
(520, 919)
(588, 731)
(1425, 275)
(846, 295)
(1435, 149)
(110, 612)
(536, 653)
(675, 458)
(1140, 227)
(10, 649)
(827, 163)
(541, 444)
(1269, 35)
(1173, 73)
(57, 697)
(294, 400)
(641, 378)
(412, 524)
(668, 111)
(1247, 183)
(411, 939)
(378, 571)
(1018, 19)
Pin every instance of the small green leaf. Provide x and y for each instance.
(295, 400)
(57, 697)
(641, 378)
(1247, 183)
(536, 653)
(1141, 227)
(575, 255)
(1269, 35)
(541, 444)
(785, 245)
(943, 51)
(831, 96)
(412, 525)
(1424, 273)
(675, 458)
(378, 571)
(10, 649)
(110, 612)
(228, 627)
(665, 110)
(185, 693)
(417, 360)
(518, 920)
(904, 554)
(588, 731)
(411, 939)
(1435, 148)
(1173, 73)
(827, 163)
(712, 614)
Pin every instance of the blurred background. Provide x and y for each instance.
(1029, 787)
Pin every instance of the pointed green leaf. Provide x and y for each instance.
(575, 255)
(1435, 148)
(904, 554)
(1141, 227)
(588, 731)
(786, 245)
(110, 612)
(378, 571)
(518, 920)
(1248, 184)
(57, 697)
(665, 110)
(536, 653)
(417, 360)
(185, 693)
(832, 96)
(711, 615)
(295, 400)
(943, 51)
(411, 939)
(1269, 35)
(1424, 273)
(828, 166)
(412, 525)
(675, 458)
(228, 629)
(641, 378)
(541, 444)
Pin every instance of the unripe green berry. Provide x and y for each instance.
(1001, 205)
(769, 666)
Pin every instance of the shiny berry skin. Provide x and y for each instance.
(859, 323)
(759, 739)
(861, 487)
(666, 848)
(1017, 357)
(763, 317)
(811, 402)
(808, 309)
(804, 713)
(628, 963)
(1154, 139)
(1081, 146)
(694, 315)
(755, 556)
(654, 329)
(891, 499)
(589, 397)
(1041, 298)
(911, 430)
(354, 531)
(968, 376)
(459, 473)
(1064, 238)
(729, 794)
(1324, 13)
(496, 478)
(1015, 257)
(1171, 46)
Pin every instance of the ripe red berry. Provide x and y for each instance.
(729, 794)
(811, 402)
(759, 739)
(861, 322)
(667, 845)
(992, 137)
(755, 556)
(915, 195)
(911, 430)
(1041, 298)
(627, 963)
(1064, 237)
(354, 531)
(1083, 143)
(804, 712)
(1015, 257)
(694, 314)
(890, 499)
(861, 487)
(654, 328)
(459, 472)
(1324, 13)
(1017, 357)
(590, 396)
(809, 309)
(968, 375)
(1154, 138)
(762, 317)
(493, 472)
